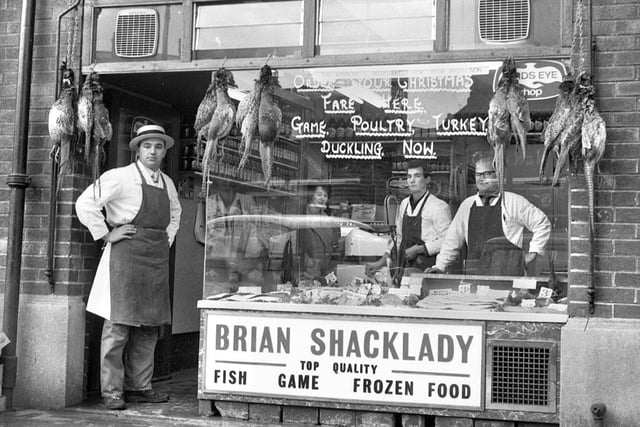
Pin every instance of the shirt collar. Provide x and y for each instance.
(493, 199)
(151, 175)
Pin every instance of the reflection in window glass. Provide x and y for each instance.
(364, 26)
(249, 29)
(341, 172)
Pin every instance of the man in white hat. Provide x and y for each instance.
(131, 287)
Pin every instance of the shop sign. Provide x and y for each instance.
(539, 78)
(421, 363)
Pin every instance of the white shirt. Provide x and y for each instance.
(120, 193)
(517, 213)
(436, 218)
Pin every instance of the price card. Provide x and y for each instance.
(331, 278)
(402, 291)
(524, 283)
(545, 293)
(464, 288)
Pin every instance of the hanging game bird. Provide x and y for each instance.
(247, 120)
(62, 125)
(101, 131)
(85, 115)
(568, 143)
(508, 116)
(93, 123)
(594, 136)
(269, 120)
(221, 121)
(558, 121)
(205, 110)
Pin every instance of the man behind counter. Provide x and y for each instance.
(485, 225)
(421, 223)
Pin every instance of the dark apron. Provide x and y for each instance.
(412, 235)
(489, 252)
(139, 267)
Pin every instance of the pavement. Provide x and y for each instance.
(181, 410)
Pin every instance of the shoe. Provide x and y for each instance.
(145, 396)
(114, 401)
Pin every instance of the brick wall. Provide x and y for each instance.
(616, 27)
(74, 250)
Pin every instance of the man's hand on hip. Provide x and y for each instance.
(122, 232)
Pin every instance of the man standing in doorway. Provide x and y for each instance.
(488, 232)
(131, 287)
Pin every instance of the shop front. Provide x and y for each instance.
(273, 261)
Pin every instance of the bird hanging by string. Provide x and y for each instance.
(247, 120)
(269, 120)
(568, 145)
(221, 121)
(565, 103)
(102, 131)
(593, 141)
(508, 116)
(62, 125)
(205, 110)
(93, 123)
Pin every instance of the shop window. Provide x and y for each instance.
(376, 26)
(340, 171)
(248, 29)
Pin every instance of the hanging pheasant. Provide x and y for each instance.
(565, 103)
(269, 120)
(508, 116)
(594, 137)
(205, 110)
(247, 120)
(93, 122)
(569, 139)
(101, 131)
(518, 110)
(221, 121)
(62, 124)
(85, 116)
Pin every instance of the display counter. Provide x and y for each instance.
(401, 360)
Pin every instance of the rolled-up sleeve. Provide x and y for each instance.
(436, 219)
(532, 218)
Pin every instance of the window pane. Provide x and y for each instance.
(365, 26)
(245, 29)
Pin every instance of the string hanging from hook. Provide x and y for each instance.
(577, 42)
(72, 39)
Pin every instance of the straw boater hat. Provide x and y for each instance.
(150, 131)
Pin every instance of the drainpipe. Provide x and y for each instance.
(18, 181)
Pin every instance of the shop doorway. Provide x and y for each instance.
(132, 104)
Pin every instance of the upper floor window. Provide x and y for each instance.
(372, 26)
(249, 29)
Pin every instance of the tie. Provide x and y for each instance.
(155, 176)
(486, 200)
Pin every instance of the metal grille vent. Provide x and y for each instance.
(501, 21)
(522, 376)
(136, 33)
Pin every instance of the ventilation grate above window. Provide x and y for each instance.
(136, 33)
(501, 21)
(522, 376)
